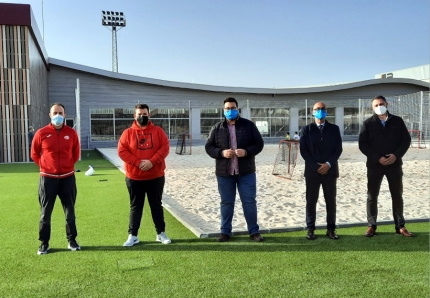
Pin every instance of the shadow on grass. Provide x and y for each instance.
(381, 242)
(57, 250)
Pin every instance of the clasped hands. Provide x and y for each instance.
(387, 159)
(230, 153)
(323, 169)
(145, 165)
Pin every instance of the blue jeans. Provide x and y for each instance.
(247, 188)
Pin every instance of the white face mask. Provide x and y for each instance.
(380, 110)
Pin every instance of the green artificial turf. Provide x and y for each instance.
(284, 265)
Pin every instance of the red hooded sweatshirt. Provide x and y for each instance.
(56, 151)
(137, 144)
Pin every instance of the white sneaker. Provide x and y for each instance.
(162, 237)
(131, 240)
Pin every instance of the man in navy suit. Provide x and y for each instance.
(321, 147)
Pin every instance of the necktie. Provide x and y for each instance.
(321, 127)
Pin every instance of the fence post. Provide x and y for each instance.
(421, 111)
(360, 116)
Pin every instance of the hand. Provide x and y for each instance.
(323, 169)
(387, 159)
(145, 165)
(240, 152)
(228, 153)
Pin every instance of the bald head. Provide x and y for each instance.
(319, 106)
(319, 112)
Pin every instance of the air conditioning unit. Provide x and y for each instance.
(387, 75)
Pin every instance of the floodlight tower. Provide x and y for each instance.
(115, 20)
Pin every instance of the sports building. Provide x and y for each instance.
(99, 103)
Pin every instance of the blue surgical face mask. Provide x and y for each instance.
(320, 114)
(57, 120)
(231, 114)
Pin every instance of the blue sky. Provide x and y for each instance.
(242, 43)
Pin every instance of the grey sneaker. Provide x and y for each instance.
(73, 245)
(43, 249)
(162, 237)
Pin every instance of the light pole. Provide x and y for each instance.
(115, 20)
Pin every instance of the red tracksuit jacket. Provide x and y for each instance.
(56, 152)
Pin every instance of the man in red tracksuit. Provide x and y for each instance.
(55, 149)
(144, 147)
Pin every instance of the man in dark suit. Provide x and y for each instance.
(321, 147)
(384, 139)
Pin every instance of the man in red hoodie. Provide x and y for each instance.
(143, 147)
(55, 149)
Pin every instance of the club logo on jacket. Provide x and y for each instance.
(66, 137)
(144, 141)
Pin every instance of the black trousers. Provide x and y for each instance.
(313, 184)
(66, 190)
(374, 179)
(138, 189)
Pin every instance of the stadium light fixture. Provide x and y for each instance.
(115, 21)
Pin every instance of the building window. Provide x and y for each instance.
(102, 124)
(271, 122)
(102, 130)
(109, 124)
(208, 118)
(350, 121)
(174, 122)
(120, 126)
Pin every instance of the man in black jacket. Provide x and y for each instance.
(234, 143)
(384, 139)
(321, 147)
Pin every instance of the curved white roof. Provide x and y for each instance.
(211, 88)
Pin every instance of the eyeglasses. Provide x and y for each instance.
(322, 109)
(232, 108)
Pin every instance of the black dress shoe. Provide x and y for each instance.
(310, 235)
(223, 238)
(332, 234)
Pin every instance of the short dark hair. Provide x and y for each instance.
(58, 104)
(230, 99)
(380, 97)
(141, 106)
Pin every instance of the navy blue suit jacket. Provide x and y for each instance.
(320, 147)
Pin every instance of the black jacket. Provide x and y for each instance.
(376, 141)
(247, 136)
(320, 147)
